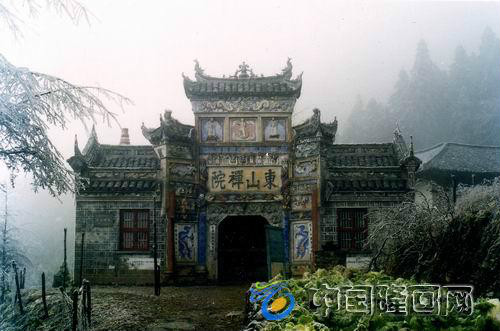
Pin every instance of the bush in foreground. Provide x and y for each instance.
(309, 315)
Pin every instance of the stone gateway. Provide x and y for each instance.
(241, 195)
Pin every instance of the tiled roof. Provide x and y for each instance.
(122, 186)
(124, 156)
(369, 184)
(364, 167)
(170, 129)
(313, 127)
(460, 158)
(243, 83)
(362, 155)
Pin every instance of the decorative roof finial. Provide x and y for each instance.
(287, 71)
(197, 67)
(412, 153)
(77, 149)
(397, 130)
(243, 70)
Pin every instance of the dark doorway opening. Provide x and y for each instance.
(242, 249)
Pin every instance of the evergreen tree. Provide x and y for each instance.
(458, 105)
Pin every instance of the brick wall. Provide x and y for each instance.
(103, 262)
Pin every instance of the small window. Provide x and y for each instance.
(352, 228)
(134, 230)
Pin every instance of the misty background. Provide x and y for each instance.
(352, 55)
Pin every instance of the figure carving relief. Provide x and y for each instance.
(274, 129)
(212, 129)
(243, 129)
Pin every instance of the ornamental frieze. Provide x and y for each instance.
(243, 197)
(182, 170)
(246, 159)
(301, 202)
(300, 215)
(178, 151)
(273, 212)
(306, 149)
(244, 104)
(303, 187)
(185, 189)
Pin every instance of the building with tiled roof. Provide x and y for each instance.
(441, 161)
(240, 195)
(451, 164)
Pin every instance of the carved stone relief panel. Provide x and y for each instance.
(245, 104)
(243, 129)
(245, 159)
(306, 149)
(301, 202)
(306, 168)
(274, 129)
(273, 212)
(182, 170)
(303, 187)
(183, 189)
(212, 129)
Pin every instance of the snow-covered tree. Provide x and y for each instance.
(32, 102)
(11, 249)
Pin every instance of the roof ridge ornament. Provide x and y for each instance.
(287, 71)
(197, 67)
(244, 71)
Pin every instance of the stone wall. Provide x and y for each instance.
(103, 261)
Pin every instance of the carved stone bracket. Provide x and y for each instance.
(273, 212)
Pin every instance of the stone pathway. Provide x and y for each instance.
(207, 308)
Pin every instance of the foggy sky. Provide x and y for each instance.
(140, 49)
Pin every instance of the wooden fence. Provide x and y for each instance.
(78, 302)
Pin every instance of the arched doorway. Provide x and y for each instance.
(242, 249)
